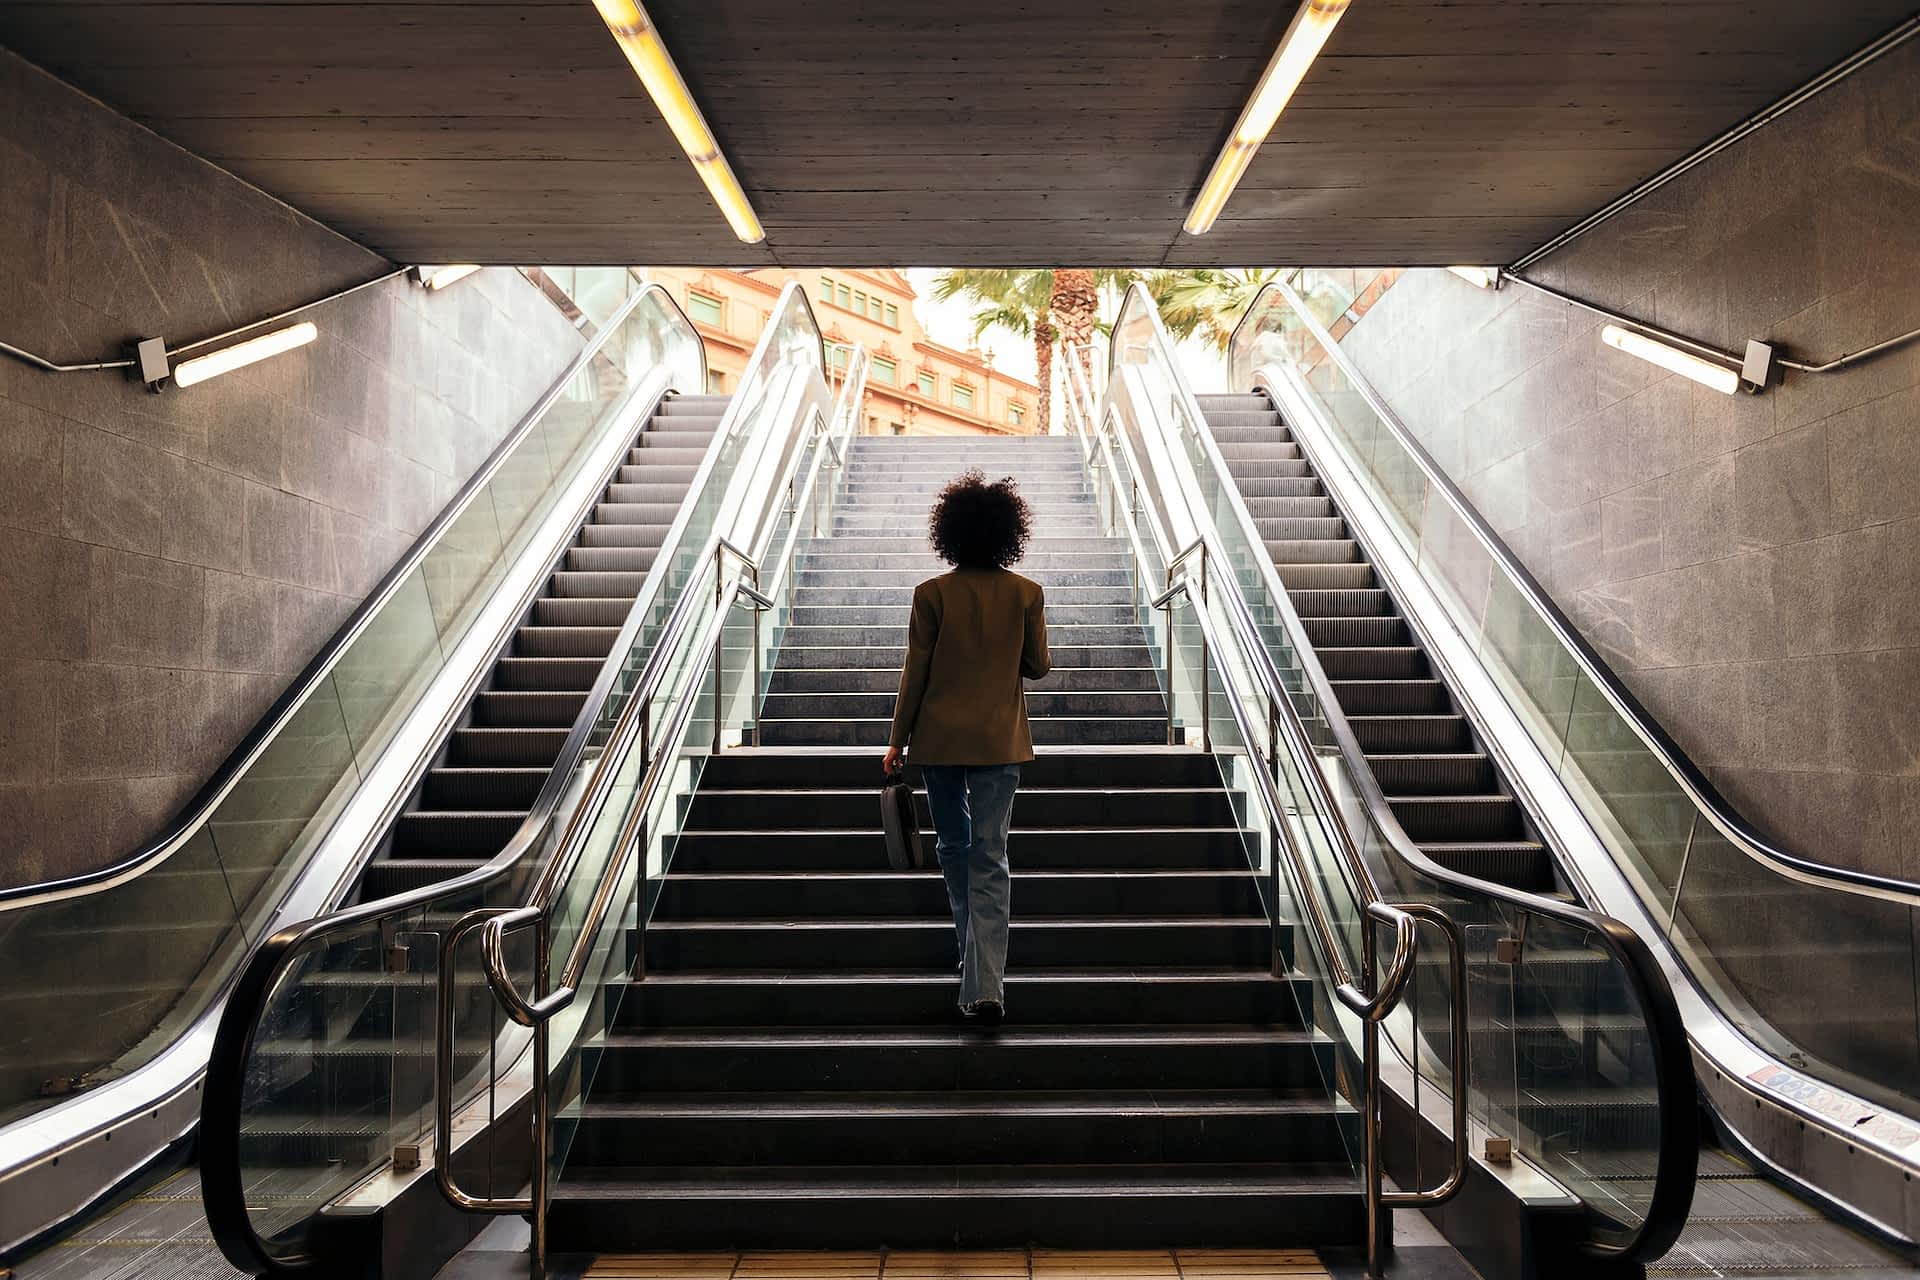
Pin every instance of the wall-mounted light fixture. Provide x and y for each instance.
(640, 41)
(1312, 23)
(1479, 277)
(1673, 359)
(151, 360)
(441, 277)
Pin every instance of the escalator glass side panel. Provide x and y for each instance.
(106, 978)
(1813, 970)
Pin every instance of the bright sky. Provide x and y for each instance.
(952, 323)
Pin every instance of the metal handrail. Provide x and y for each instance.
(267, 728)
(221, 1103)
(659, 750)
(1672, 757)
(1676, 1160)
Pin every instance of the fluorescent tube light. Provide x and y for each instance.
(1705, 372)
(1478, 277)
(1312, 23)
(651, 62)
(441, 277)
(240, 354)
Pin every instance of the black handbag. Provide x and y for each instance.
(900, 824)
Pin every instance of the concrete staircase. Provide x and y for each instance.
(789, 1073)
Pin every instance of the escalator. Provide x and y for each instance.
(411, 750)
(1455, 804)
(1485, 741)
(492, 766)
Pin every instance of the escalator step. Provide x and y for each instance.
(512, 709)
(695, 406)
(1518, 864)
(1458, 819)
(1325, 576)
(660, 457)
(1232, 402)
(444, 833)
(1268, 468)
(1290, 507)
(1301, 528)
(1453, 773)
(385, 877)
(491, 748)
(647, 468)
(652, 488)
(623, 535)
(1379, 662)
(1342, 604)
(629, 559)
(695, 438)
(626, 503)
(546, 673)
(565, 642)
(1390, 697)
(1279, 487)
(582, 611)
(1263, 452)
(1411, 734)
(1336, 632)
(602, 586)
(502, 788)
(1313, 550)
(1231, 420)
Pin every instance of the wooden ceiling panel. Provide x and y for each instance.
(927, 132)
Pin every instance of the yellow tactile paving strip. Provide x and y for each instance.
(1037, 1264)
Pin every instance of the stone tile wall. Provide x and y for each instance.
(168, 562)
(1751, 565)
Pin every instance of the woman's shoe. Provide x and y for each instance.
(986, 1013)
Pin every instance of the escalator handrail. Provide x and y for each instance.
(1676, 1163)
(1705, 796)
(194, 815)
(221, 1173)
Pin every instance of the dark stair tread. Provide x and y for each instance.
(843, 1181)
(962, 1103)
(1009, 1036)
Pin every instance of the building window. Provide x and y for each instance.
(716, 382)
(963, 397)
(846, 297)
(703, 309)
(1018, 413)
(893, 316)
(826, 289)
(860, 301)
(837, 356)
(926, 385)
(898, 428)
(874, 311)
(886, 371)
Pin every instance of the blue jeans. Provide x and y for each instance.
(972, 809)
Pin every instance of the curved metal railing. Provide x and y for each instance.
(1703, 877)
(352, 984)
(1186, 472)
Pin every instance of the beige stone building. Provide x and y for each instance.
(917, 386)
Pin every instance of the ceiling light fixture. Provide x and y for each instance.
(1705, 372)
(441, 277)
(1312, 24)
(241, 354)
(654, 65)
(1479, 277)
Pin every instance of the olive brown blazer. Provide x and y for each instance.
(975, 634)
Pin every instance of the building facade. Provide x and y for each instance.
(917, 386)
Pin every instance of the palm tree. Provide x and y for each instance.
(1019, 300)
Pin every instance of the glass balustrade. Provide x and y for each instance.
(1769, 945)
